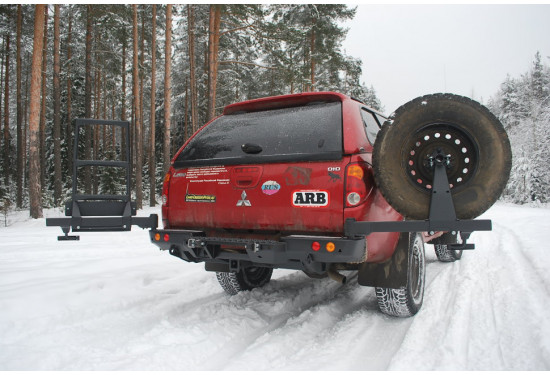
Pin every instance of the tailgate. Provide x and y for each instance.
(299, 197)
(276, 169)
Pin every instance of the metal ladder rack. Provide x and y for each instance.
(100, 212)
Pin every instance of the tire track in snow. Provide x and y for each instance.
(338, 323)
(487, 311)
(469, 320)
(523, 278)
(299, 298)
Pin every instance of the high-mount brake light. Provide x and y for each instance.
(356, 187)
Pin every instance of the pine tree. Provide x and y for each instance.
(522, 106)
(257, 50)
(57, 110)
(152, 155)
(136, 110)
(21, 140)
(167, 88)
(35, 191)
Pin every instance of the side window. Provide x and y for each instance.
(381, 119)
(371, 125)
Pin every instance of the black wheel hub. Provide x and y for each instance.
(256, 274)
(443, 143)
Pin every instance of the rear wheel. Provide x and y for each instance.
(472, 140)
(245, 279)
(443, 250)
(445, 254)
(406, 301)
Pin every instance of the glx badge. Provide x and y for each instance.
(243, 201)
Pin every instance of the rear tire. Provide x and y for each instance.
(246, 279)
(444, 254)
(442, 250)
(458, 127)
(407, 301)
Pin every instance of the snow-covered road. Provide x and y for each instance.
(114, 302)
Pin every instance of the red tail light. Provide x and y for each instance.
(356, 186)
(166, 186)
(165, 200)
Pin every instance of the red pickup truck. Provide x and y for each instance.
(320, 182)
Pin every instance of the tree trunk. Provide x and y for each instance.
(43, 105)
(88, 99)
(312, 67)
(137, 112)
(123, 104)
(56, 109)
(3, 57)
(213, 44)
(69, 132)
(167, 88)
(95, 129)
(35, 194)
(21, 142)
(152, 156)
(7, 115)
(144, 156)
(25, 122)
(192, 75)
(186, 112)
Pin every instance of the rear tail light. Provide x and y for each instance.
(166, 187)
(329, 246)
(356, 186)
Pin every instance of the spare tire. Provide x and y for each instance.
(471, 137)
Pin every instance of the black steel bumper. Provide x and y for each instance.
(294, 252)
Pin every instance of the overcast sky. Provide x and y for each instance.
(412, 50)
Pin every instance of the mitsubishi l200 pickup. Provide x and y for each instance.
(320, 182)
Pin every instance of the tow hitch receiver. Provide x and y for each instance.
(101, 212)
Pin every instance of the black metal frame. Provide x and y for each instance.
(442, 214)
(100, 212)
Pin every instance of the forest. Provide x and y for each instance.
(167, 69)
(523, 106)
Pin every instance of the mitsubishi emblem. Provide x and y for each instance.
(243, 201)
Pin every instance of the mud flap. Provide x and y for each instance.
(391, 273)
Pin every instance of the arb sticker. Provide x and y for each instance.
(270, 187)
(310, 198)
